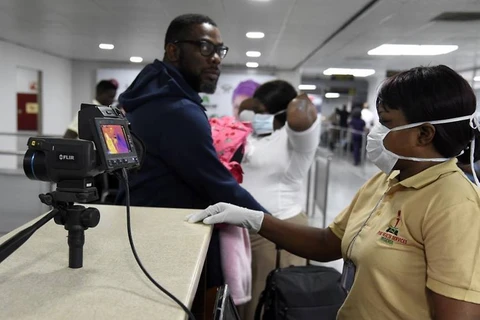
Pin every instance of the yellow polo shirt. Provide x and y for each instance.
(423, 233)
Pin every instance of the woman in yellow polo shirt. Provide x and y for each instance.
(411, 236)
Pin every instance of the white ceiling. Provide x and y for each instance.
(403, 22)
(294, 30)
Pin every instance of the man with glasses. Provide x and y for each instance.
(181, 168)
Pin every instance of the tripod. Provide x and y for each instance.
(75, 218)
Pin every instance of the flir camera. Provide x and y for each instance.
(105, 145)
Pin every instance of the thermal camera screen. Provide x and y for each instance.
(115, 139)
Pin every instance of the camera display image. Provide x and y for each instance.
(115, 139)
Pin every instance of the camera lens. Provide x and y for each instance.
(34, 165)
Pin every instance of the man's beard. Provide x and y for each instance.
(195, 81)
(208, 87)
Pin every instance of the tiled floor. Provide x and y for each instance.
(344, 182)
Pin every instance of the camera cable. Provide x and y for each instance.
(124, 178)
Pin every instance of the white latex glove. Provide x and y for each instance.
(228, 213)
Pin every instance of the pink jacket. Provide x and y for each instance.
(228, 136)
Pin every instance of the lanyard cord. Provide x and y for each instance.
(352, 242)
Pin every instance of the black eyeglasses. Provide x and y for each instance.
(207, 48)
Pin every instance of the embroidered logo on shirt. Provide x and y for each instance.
(390, 236)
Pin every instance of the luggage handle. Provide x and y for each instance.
(277, 260)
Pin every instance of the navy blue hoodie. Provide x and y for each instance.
(181, 168)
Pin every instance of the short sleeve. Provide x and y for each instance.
(305, 141)
(452, 248)
(339, 225)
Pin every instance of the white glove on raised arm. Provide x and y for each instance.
(228, 213)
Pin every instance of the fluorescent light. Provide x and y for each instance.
(346, 71)
(255, 35)
(477, 78)
(136, 59)
(253, 54)
(411, 50)
(332, 95)
(307, 87)
(252, 64)
(106, 46)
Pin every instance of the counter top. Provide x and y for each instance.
(36, 283)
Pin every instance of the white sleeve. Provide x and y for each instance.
(74, 124)
(303, 146)
(304, 141)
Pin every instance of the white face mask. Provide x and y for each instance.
(262, 123)
(384, 159)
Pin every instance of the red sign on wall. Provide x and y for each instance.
(27, 112)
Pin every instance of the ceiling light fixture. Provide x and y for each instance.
(254, 54)
(255, 35)
(411, 50)
(106, 46)
(477, 78)
(332, 95)
(136, 59)
(252, 64)
(346, 71)
(307, 87)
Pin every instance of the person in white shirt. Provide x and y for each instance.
(367, 116)
(277, 158)
(105, 93)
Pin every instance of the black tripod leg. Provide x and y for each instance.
(76, 239)
(12, 244)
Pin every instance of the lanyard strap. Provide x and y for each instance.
(352, 242)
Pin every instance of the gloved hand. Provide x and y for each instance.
(228, 213)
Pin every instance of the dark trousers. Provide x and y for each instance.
(357, 148)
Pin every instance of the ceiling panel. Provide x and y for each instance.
(74, 28)
(403, 22)
(293, 29)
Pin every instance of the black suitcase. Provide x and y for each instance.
(301, 293)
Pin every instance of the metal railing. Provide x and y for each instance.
(335, 142)
(339, 140)
(12, 153)
(317, 185)
(29, 134)
(18, 134)
(20, 153)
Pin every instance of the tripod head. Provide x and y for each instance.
(75, 218)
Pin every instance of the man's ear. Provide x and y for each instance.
(172, 52)
(426, 134)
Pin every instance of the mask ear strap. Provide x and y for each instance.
(475, 121)
(472, 160)
(474, 118)
(475, 124)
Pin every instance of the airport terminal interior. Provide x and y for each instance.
(58, 54)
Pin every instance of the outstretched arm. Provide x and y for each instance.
(308, 242)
